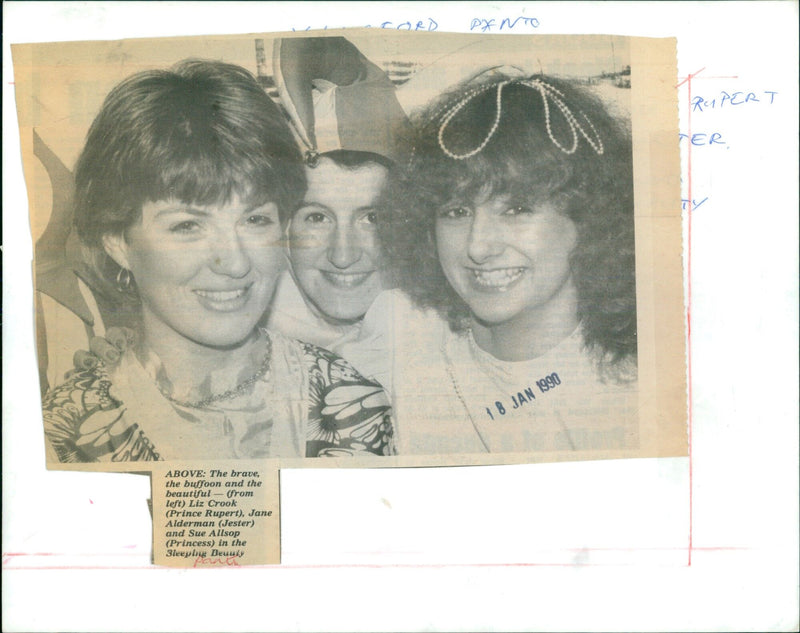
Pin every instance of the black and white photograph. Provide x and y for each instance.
(385, 248)
(430, 316)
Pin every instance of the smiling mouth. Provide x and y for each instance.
(345, 280)
(224, 300)
(498, 279)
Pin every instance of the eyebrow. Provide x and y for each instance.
(189, 210)
(305, 204)
(203, 213)
(325, 207)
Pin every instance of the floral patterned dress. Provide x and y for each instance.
(310, 403)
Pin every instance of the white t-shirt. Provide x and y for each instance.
(449, 396)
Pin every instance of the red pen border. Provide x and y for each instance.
(8, 558)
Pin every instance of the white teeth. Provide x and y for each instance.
(221, 295)
(345, 280)
(498, 279)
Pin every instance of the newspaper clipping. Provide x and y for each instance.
(382, 248)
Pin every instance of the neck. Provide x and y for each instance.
(533, 332)
(340, 325)
(192, 371)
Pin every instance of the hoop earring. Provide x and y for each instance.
(124, 279)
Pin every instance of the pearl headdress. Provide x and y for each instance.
(548, 93)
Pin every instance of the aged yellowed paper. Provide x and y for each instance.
(390, 249)
(218, 515)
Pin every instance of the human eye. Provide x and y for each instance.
(315, 217)
(454, 212)
(185, 227)
(371, 217)
(259, 219)
(515, 210)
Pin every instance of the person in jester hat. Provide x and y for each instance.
(352, 130)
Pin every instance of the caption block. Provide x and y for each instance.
(215, 515)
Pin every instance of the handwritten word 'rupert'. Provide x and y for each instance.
(701, 104)
(506, 24)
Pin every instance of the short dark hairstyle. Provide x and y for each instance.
(200, 132)
(520, 157)
(354, 159)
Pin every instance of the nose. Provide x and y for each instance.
(229, 256)
(345, 247)
(485, 238)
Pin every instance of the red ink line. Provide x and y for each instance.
(704, 77)
(688, 82)
(689, 310)
(323, 566)
(690, 421)
(70, 554)
(690, 76)
(361, 552)
(150, 567)
(689, 306)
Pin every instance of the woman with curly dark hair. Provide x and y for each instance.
(515, 226)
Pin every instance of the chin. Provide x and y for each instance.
(344, 308)
(489, 318)
(346, 314)
(224, 337)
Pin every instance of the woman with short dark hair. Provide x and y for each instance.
(183, 191)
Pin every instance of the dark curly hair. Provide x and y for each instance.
(521, 158)
(200, 132)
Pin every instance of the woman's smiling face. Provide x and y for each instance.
(334, 246)
(505, 257)
(204, 273)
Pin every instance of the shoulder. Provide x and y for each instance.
(78, 409)
(328, 366)
(85, 421)
(86, 389)
(318, 363)
(348, 414)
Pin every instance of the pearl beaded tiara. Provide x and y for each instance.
(548, 93)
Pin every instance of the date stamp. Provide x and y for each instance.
(523, 397)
